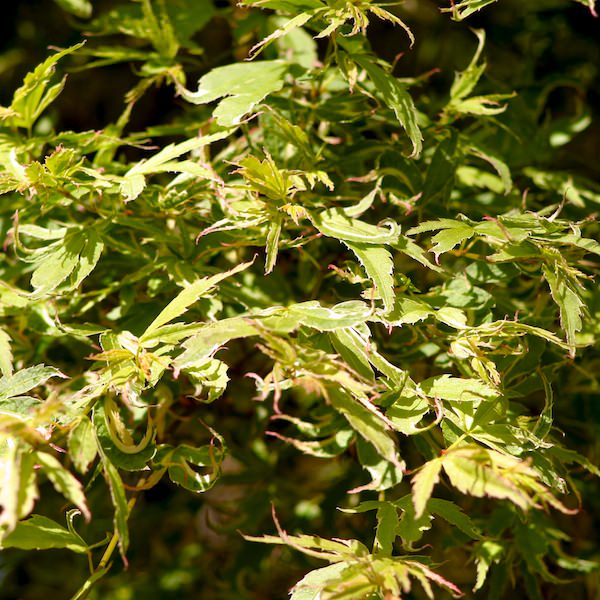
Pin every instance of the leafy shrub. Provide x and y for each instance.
(313, 281)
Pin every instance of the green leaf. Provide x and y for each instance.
(335, 223)
(180, 463)
(210, 337)
(119, 501)
(394, 94)
(455, 389)
(387, 524)
(240, 85)
(63, 482)
(134, 181)
(367, 423)
(408, 410)
(272, 246)
(313, 545)
(414, 251)
(465, 81)
(384, 474)
(497, 163)
(328, 447)
(571, 306)
(353, 349)
(34, 96)
(452, 513)
(6, 357)
(88, 257)
(379, 266)
(188, 296)
(286, 27)
(129, 461)
(25, 380)
(449, 238)
(11, 494)
(423, 482)
(132, 186)
(466, 8)
(56, 265)
(82, 444)
(79, 8)
(41, 533)
(75, 256)
(311, 585)
(482, 105)
(411, 527)
(345, 314)
(486, 553)
(472, 471)
(408, 311)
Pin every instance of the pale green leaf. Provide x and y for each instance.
(89, 257)
(284, 29)
(345, 314)
(6, 357)
(210, 337)
(240, 85)
(379, 266)
(33, 97)
(64, 483)
(82, 444)
(272, 246)
(464, 9)
(10, 475)
(132, 186)
(311, 585)
(335, 223)
(454, 317)
(423, 482)
(188, 296)
(456, 389)
(134, 181)
(471, 472)
(486, 553)
(25, 380)
(571, 306)
(56, 264)
(28, 491)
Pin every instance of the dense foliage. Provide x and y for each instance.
(325, 319)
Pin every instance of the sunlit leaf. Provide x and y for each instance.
(40, 533)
